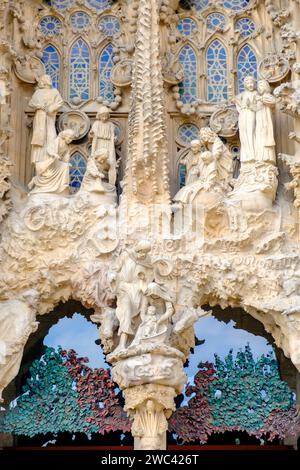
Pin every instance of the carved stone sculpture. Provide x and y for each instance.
(46, 102)
(17, 322)
(264, 131)
(52, 174)
(103, 134)
(156, 314)
(246, 106)
(130, 278)
(214, 169)
(4, 89)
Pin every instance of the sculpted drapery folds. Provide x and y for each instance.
(103, 135)
(52, 174)
(46, 102)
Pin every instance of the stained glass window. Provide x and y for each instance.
(245, 26)
(182, 175)
(50, 26)
(61, 4)
(216, 21)
(187, 26)
(99, 5)
(109, 26)
(236, 5)
(51, 60)
(77, 171)
(217, 83)
(188, 132)
(80, 71)
(198, 4)
(80, 21)
(106, 63)
(246, 65)
(189, 87)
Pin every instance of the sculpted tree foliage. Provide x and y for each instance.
(63, 394)
(237, 394)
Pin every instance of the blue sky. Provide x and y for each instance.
(79, 334)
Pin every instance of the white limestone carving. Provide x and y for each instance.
(214, 172)
(52, 174)
(264, 130)
(46, 102)
(17, 322)
(130, 278)
(103, 134)
(95, 179)
(246, 106)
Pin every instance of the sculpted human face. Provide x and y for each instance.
(263, 87)
(104, 117)
(249, 84)
(195, 148)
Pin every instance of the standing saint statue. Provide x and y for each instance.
(246, 104)
(46, 102)
(191, 160)
(103, 135)
(53, 174)
(129, 280)
(265, 145)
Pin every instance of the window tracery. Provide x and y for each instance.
(188, 89)
(246, 65)
(77, 171)
(106, 63)
(109, 26)
(80, 21)
(245, 26)
(79, 71)
(50, 26)
(187, 26)
(216, 21)
(216, 63)
(188, 132)
(51, 61)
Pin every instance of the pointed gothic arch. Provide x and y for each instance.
(52, 62)
(216, 70)
(79, 65)
(246, 65)
(189, 86)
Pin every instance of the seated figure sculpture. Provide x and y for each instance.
(212, 172)
(95, 179)
(52, 175)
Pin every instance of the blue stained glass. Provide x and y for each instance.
(61, 4)
(217, 83)
(80, 21)
(77, 171)
(106, 63)
(80, 71)
(187, 26)
(99, 5)
(188, 132)
(51, 60)
(245, 27)
(199, 4)
(236, 5)
(216, 21)
(50, 26)
(182, 175)
(188, 89)
(246, 65)
(109, 26)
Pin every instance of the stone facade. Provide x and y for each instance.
(144, 254)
